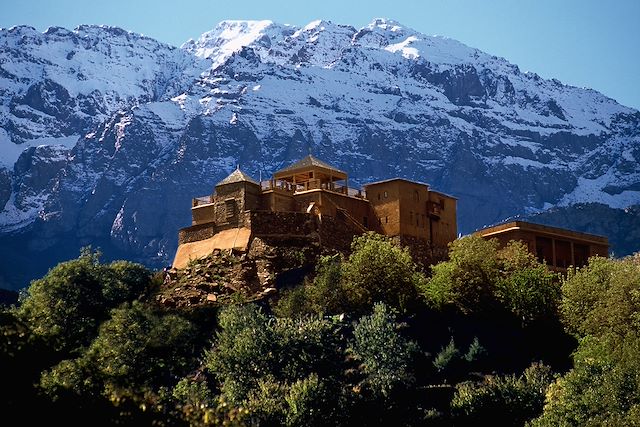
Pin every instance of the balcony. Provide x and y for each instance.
(434, 209)
(201, 201)
(312, 184)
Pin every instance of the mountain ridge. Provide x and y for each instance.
(117, 131)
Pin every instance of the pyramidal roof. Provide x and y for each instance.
(237, 176)
(309, 161)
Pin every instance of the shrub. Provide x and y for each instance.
(502, 400)
(385, 355)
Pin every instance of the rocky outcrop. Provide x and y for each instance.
(228, 275)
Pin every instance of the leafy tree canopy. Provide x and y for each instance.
(481, 278)
(66, 306)
(378, 270)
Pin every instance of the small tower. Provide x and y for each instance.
(310, 173)
(234, 195)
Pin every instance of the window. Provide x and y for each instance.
(378, 196)
(417, 220)
(416, 196)
(386, 220)
(365, 221)
(386, 194)
(441, 204)
(230, 208)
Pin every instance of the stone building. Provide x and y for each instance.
(312, 199)
(557, 247)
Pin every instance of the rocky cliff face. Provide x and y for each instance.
(106, 135)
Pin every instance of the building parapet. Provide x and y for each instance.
(277, 184)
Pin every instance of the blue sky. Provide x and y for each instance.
(591, 43)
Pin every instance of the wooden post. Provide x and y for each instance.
(573, 260)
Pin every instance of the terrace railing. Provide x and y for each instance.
(199, 201)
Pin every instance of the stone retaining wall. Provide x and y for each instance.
(198, 232)
(282, 223)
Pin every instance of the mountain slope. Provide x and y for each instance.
(379, 102)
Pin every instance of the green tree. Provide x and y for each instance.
(66, 306)
(603, 297)
(273, 366)
(380, 271)
(377, 270)
(137, 351)
(481, 278)
(529, 293)
(601, 306)
(467, 281)
(603, 388)
(326, 294)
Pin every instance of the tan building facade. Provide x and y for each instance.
(310, 189)
(557, 247)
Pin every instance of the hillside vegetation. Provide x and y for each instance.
(489, 337)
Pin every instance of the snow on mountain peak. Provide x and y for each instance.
(231, 36)
(313, 24)
(386, 24)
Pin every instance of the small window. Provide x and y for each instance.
(386, 220)
(230, 208)
(418, 220)
(365, 221)
(378, 196)
(416, 196)
(442, 204)
(386, 194)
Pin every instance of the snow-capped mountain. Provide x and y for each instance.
(105, 135)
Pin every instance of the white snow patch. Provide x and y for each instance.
(312, 25)
(120, 131)
(407, 51)
(9, 152)
(591, 190)
(228, 37)
(169, 112)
